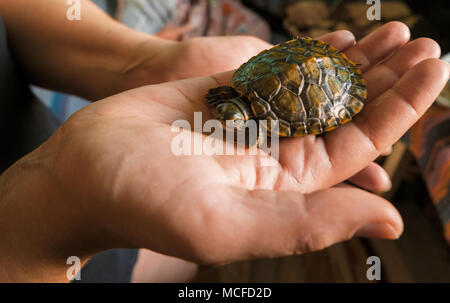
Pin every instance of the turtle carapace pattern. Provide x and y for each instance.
(306, 85)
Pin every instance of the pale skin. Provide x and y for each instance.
(107, 178)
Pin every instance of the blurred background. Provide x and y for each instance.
(419, 164)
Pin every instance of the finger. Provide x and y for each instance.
(383, 76)
(385, 119)
(373, 177)
(342, 40)
(379, 44)
(266, 223)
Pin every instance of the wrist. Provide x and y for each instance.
(147, 64)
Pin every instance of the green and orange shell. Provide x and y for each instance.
(306, 85)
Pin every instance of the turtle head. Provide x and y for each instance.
(235, 111)
(230, 106)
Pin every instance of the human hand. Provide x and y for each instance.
(215, 209)
(199, 56)
(204, 56)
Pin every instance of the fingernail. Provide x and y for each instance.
(387, 182)
(349, 37)
(384, 183)
(378, 230)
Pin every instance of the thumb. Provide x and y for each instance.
(277, 223)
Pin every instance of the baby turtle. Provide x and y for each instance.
(306, 85)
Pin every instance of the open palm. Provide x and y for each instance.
(215, 209)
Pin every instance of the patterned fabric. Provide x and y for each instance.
(204, 17)
(429, 141)
(219, 18)
(147, 16)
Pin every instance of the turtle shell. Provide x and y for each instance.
(307, 85)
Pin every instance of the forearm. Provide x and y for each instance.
(94, 57)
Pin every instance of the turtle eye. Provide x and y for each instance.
(228, 111)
